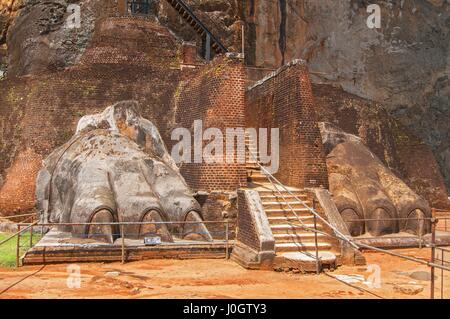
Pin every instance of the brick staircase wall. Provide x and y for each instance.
(215, 95)
(284, 100)
(254, 247)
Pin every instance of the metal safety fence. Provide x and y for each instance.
(438, 261)
(209, 236)
(433, 264)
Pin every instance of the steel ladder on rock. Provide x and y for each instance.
(210, 41)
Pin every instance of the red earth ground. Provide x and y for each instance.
(190, 279)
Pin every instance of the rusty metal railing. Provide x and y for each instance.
(276, 184)
(29, 226)
(443, 215)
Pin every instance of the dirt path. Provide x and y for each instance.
(189, 279)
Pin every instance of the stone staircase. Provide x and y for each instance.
(295, 246)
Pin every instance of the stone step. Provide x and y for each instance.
(298, 193)
(287, 205)
(301, 237)
(275, 196)
(281, 220)
(305, 261)
(258, 179)
(288, 247)
(298, 211)
(289, 214)
(257, 174)
(292, 229)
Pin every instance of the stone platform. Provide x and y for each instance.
(61, 247)
(403, 240)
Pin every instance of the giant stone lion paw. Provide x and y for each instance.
(369, 196)
(116, 169)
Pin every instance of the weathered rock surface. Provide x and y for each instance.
(409, 289)
(117, 168)
(127, 59)
(8, 11)
(404, 65)
(39, 39)
(364, 188)
(421, 275)
(222, 17)
(396, 146)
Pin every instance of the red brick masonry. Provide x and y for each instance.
(215, 95)
(284, 100)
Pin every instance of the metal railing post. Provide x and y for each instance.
(123, 243)
(208, 47)
(420, 222)
(442, 273)
(31, 236)
(323, 220)
(243, 39)
(18, 246)
(433, 251)
(316, 240)
(226, 240)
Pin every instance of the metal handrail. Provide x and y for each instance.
(133, 223)
(316, 245)
(440, 210)
(202, 26)
(222, 25)
(19, 232)
(120, 224)
(17, 216)
(339, 234)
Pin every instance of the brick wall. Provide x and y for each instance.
(127, 59)
(215, 95)
(133, 40)
(284, 100)
(246, 232)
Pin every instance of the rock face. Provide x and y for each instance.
(116, 168)
(363, 188)
(404, 65)
(396, 146)
(40, 39)
(222, 17)
(127, 59)
(8, 11)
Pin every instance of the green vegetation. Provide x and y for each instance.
(8, 249)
